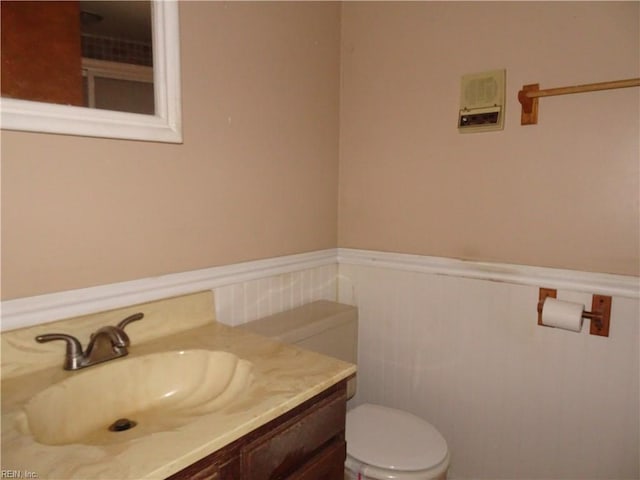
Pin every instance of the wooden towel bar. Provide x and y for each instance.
(529, 95)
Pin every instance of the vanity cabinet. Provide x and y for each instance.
(306, 443)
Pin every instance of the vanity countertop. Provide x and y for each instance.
(284, 377)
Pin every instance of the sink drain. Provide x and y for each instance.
(122, 424)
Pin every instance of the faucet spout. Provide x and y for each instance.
(106, 343)
(116, 335)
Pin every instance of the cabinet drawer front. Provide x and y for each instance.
(326, 465)
(279, 453)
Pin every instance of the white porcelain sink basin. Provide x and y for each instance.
(158, 392)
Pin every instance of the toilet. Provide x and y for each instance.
(382, 443)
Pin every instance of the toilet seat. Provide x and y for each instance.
(385, 443)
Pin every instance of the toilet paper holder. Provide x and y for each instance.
(599, 315)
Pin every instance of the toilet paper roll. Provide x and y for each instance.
(561, 314)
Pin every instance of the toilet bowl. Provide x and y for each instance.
(382, 443)
(385, 443)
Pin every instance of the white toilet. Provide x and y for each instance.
(382, 443)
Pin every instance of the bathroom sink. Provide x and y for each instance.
(133, 397)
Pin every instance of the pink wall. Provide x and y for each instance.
(274, 93)
(563, 193)
(256, 176)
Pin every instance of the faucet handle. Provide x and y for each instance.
(74, 349)
(129, 319)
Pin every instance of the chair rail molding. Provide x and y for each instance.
(589, 282)
(28, 311)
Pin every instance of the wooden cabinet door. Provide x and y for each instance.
(327, 465)
(283, 450)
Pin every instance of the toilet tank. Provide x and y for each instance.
(324, 327)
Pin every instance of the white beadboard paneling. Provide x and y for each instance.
(240, 303)
(513, 399)
(229, 303)
(262, 286)
(276, 288)
(250, 301)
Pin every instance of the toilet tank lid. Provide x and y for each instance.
(393, 439)
(297, 324)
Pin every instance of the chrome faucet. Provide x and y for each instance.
(106, 343)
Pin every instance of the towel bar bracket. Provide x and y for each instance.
(529, 115)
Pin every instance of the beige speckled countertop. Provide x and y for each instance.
(284, 377)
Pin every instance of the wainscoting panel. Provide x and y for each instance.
(454, 342)
(514, 400)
